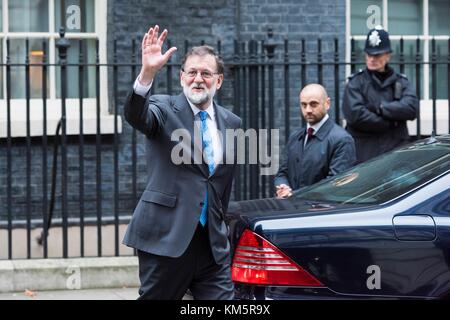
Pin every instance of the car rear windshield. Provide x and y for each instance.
(382, 179)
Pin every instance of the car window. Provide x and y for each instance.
(383, 178)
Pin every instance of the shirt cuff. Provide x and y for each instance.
(141, 89)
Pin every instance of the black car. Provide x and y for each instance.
(379, 230)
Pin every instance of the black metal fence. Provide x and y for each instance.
(96, 179)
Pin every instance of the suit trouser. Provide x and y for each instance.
(168, 278)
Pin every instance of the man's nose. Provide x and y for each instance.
(198, 77)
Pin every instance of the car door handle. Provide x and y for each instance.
(414, 228)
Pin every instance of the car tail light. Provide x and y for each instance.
(257, 261)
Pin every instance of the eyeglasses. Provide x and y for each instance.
(204, 74)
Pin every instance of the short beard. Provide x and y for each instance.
(199, 99)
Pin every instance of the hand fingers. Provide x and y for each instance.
(282, 193)
(144, 40)
(152, 37)
(282, 196)
(286, 192)
(151, 34)
(162, 37)
(169, 53)
(285, 196)
(155, 34)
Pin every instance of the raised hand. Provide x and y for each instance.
(152, 57)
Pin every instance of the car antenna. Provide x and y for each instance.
(432, 138)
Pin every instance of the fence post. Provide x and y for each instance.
(244, 112)
(62, 44)
(287, 88)
(44, 143)
(352, 56)
(8, 150)
(254, 116)
(169, 72)
(448, 84)
(270, 47)
(237, 110)
(303, 71)
(337, 99)
(402, 55)
(418, 84)
(116, 151)
(433, 82)
(81, 71)
(28, 145)
(263, 109)
(134, 132)
(98, 151)
(319, 62)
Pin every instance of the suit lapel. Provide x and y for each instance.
(222, 126)
(186, 117)
(301, 139)
(321, 134)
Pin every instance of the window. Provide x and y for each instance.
(383, 178)
(409, 19)
(29, 26)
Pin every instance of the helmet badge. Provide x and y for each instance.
(374, 39)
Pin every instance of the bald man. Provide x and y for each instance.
(321, 150)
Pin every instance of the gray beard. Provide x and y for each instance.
(198, 98)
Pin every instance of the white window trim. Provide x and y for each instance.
(385, 15)
(18, 106)
(426, 104)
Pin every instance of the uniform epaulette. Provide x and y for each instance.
(403, 75)
(355, 74)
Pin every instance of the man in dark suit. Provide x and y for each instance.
(177, 226)
(322, 149)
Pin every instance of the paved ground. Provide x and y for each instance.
(91, 294)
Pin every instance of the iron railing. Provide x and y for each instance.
(101, 176)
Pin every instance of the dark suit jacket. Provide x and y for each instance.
(329, 152)
(168, 211)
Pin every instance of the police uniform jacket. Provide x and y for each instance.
(376, 110)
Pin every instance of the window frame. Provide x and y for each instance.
(18, 106)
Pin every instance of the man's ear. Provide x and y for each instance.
(219, 81)
(389, 57)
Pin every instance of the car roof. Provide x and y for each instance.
(444, 139)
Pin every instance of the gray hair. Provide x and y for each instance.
(202, 51)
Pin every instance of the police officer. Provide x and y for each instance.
(378, 101)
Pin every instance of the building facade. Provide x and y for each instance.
(109, 31)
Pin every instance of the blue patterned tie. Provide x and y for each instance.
(208, 154)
